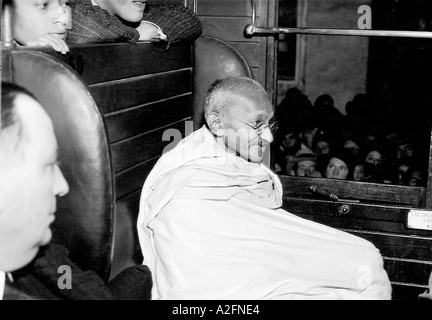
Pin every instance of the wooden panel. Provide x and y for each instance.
(127, 251)
(334, 209)
(407, 252)
(406, 292)
(117, 95)
(406, 246)
(130, 152)
(227, 8)
(132, 180)
(403, 247)
(97, 63)
(251, 52)
(230, 29)
(364, 224)
(412, 272)
(370, 192)
(148, 117)
(256, 73)
(227, 20)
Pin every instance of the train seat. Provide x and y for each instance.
(214, 58)
(85, 216)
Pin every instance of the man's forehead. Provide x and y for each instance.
(255, 106)
(36, 122)
(306, 163)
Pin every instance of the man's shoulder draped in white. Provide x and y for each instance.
(210, 227)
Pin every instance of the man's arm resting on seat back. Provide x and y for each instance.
(176, 22)
(94, 24)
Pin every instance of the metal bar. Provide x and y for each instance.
(8, 39)
(251, 30)
(253, 12)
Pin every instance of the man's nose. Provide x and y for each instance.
(61, 187)
(64, 16)
(267, 135)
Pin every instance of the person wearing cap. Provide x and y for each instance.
(305, 162)
(340, 165)
(376, 169)
(308, 130)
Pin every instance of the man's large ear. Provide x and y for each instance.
(215, 125)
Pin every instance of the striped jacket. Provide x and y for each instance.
(94, 24)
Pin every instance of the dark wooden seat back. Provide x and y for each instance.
(115, 108)
(85, 216)
(214, 59)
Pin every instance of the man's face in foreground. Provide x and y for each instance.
(242, 117)
(30, 181)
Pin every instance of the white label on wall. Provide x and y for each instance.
(418, 219)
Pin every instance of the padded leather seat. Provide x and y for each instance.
(214, 59)
(85, 216)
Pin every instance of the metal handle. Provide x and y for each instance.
(252, 29)
(8, 39)
(330, 196)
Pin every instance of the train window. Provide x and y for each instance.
(367, 67)
(377, 88)
(286, 64)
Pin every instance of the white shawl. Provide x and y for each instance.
(210, 227)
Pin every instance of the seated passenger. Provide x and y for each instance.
(341, 165)
(40, 23)
(128, 20)
(358, 172)
(211, 225)
(305, 163)
(30, 180)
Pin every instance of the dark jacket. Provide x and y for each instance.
(94, 24)
(40, 280)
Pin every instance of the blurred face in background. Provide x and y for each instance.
(305, 168)
(322, 147)
(336, 169)
(358, 172)
(374, 158)
(308, 136)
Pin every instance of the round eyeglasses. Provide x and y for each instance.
(273, 126)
